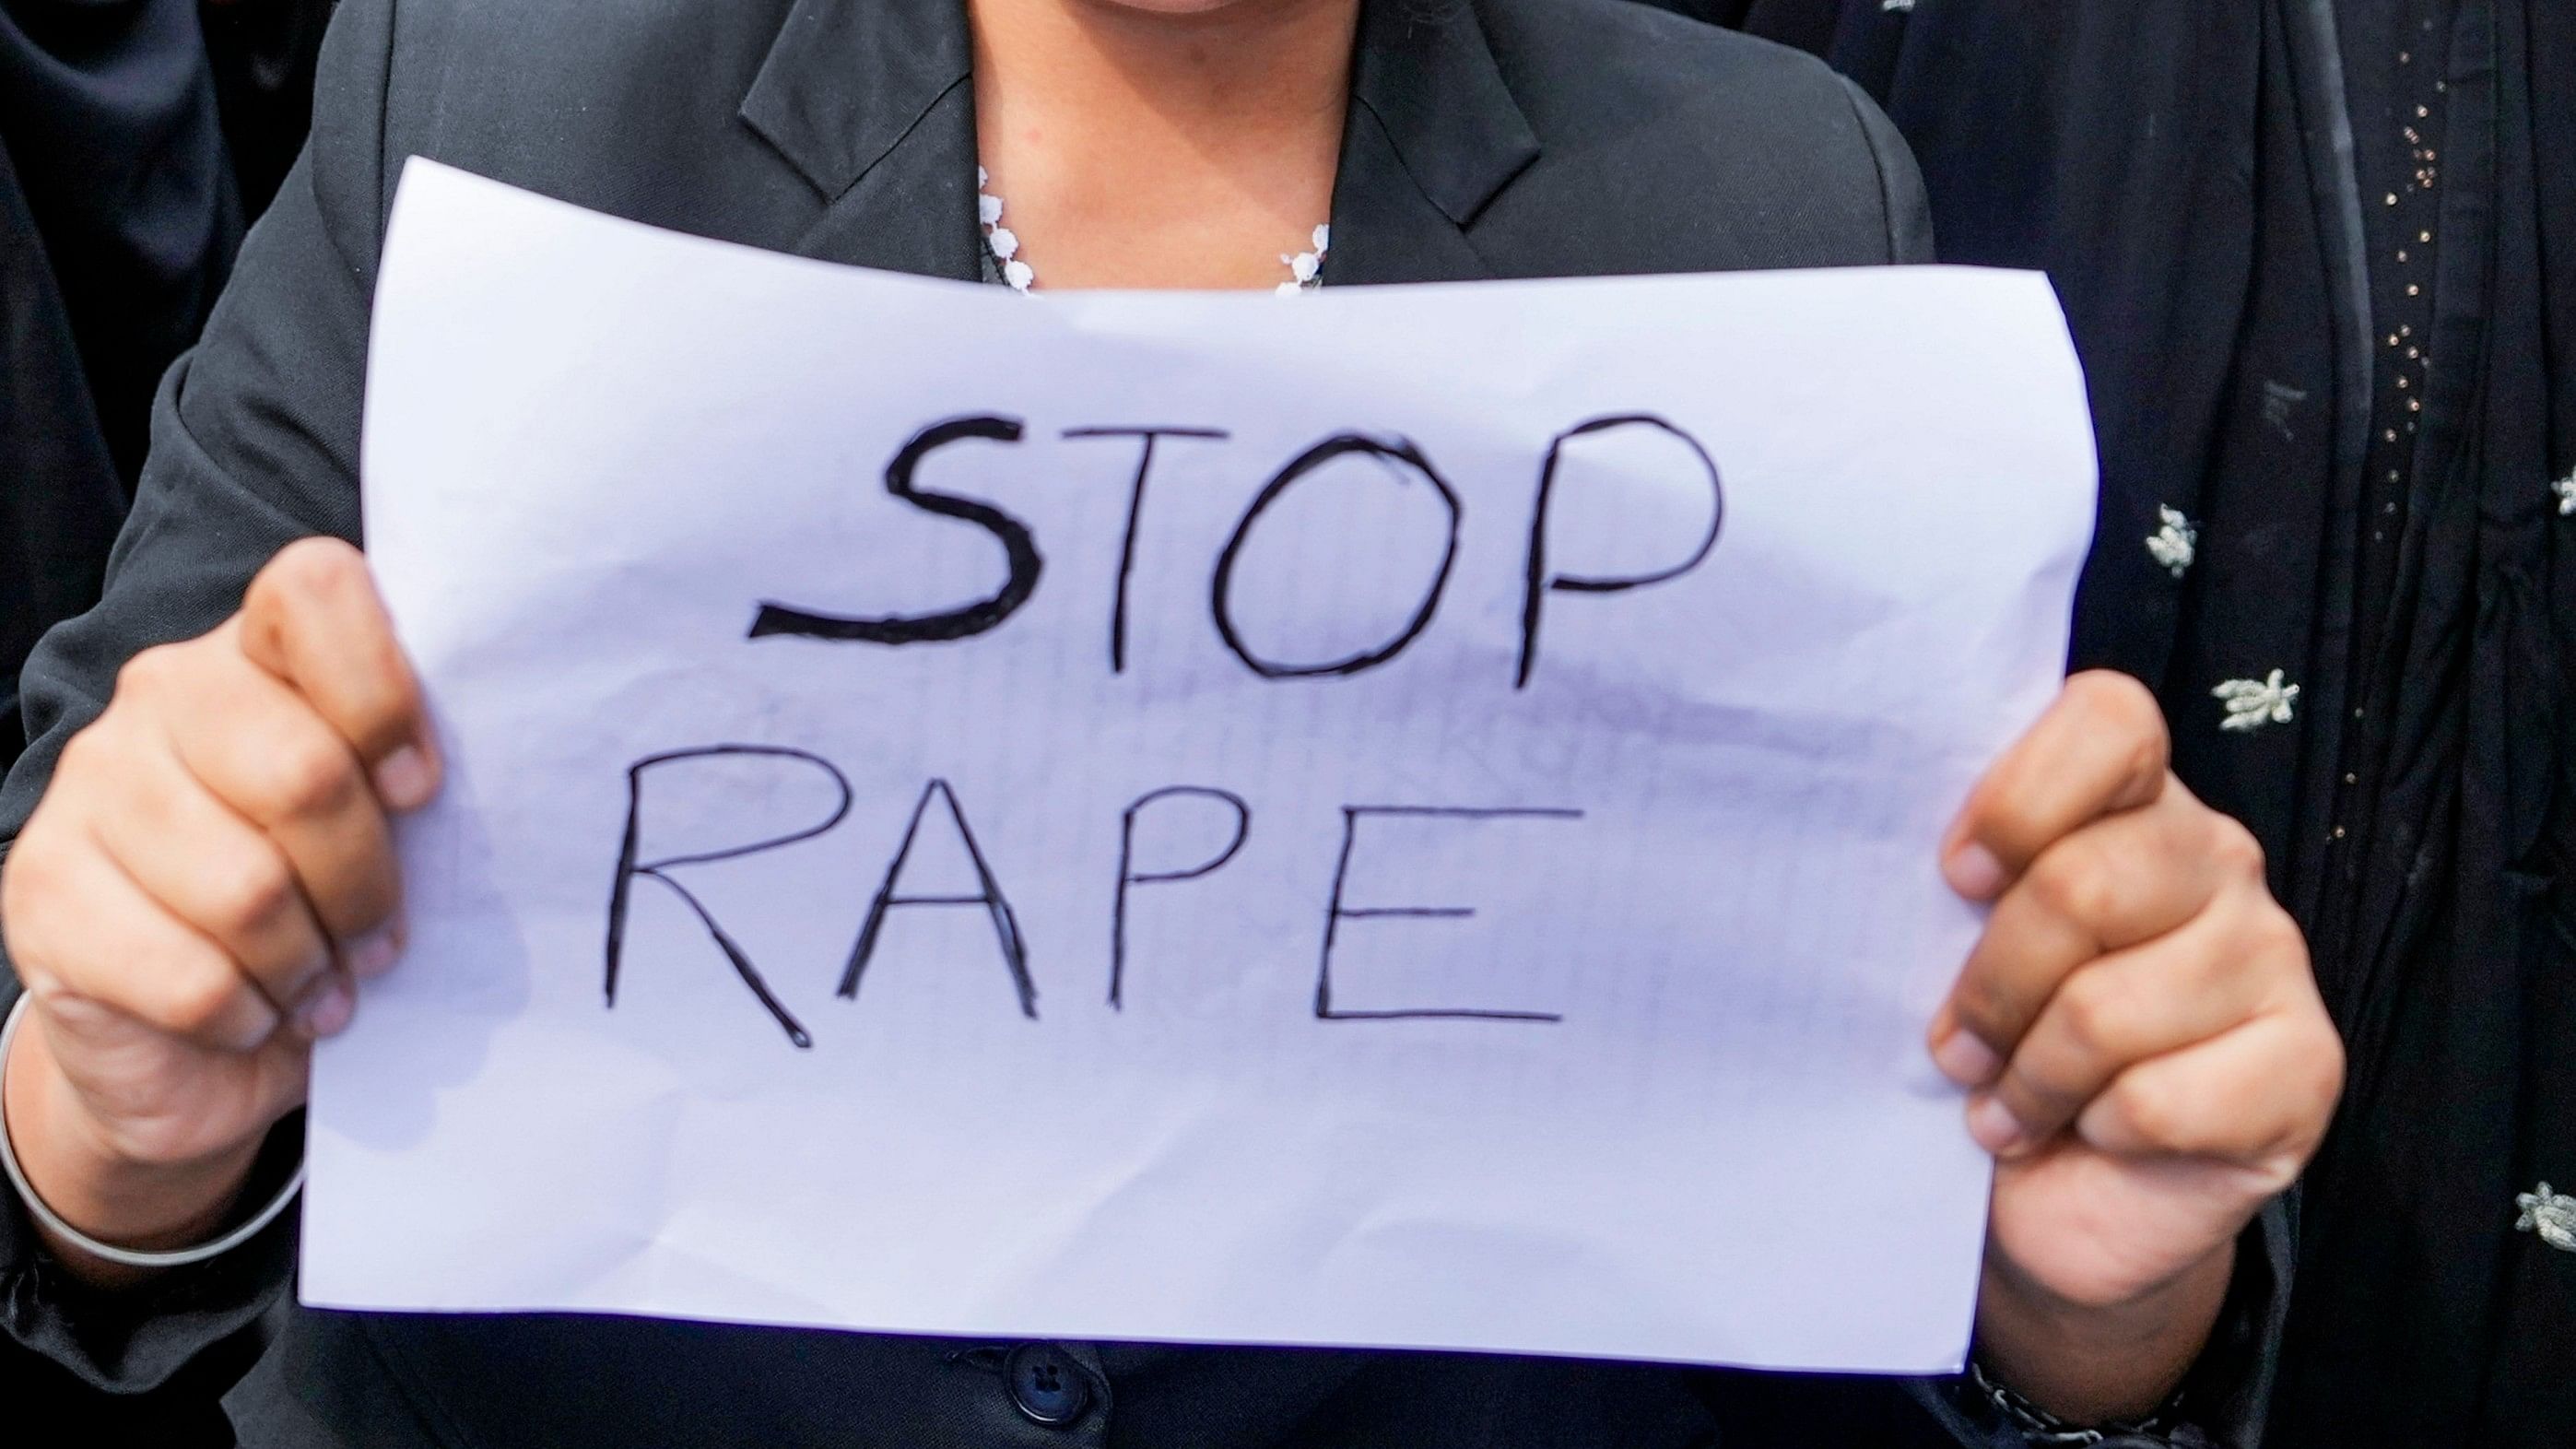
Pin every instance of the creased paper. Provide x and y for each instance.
(1392, 816)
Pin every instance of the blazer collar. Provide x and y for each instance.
(847, 80)
(1426, 75)
(869, 100)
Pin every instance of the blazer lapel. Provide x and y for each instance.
(870, 101)
(1433, 136)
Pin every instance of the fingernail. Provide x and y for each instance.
(1974, 872)
(373, 954)
(1994, 1126)
(1964, 1058)
(326, 1009)
(402, 779)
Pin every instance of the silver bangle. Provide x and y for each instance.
(126, 1257)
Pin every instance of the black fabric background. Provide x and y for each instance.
(2182, 172)
(135, 137)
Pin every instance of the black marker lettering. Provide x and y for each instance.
(1135, 508)
(1127, 875)
(628, 868)
(1336, 913)
(1018, 546)
(1540, 581)
(1006, 926)
(1221, 595)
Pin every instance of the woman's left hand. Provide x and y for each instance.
(2148, 1056)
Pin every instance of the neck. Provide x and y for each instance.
(1234, 72)
(1196, 141)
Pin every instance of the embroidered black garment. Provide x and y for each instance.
(2320, 257)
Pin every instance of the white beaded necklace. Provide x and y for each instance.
(1002, 247)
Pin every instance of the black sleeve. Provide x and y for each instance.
(254, 444)
(159, 1354)
(1900, 181)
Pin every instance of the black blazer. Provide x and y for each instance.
(1496, 138)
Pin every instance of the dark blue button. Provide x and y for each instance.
(1047, 1386)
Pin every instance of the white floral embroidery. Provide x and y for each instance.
(2565, 488)
(2550, 1214)
(2177, 543)
(2254, 703)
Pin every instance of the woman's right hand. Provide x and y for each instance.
(205, 882)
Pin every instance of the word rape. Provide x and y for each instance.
(991, 897)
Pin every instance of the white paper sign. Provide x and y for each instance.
(1436, 850)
